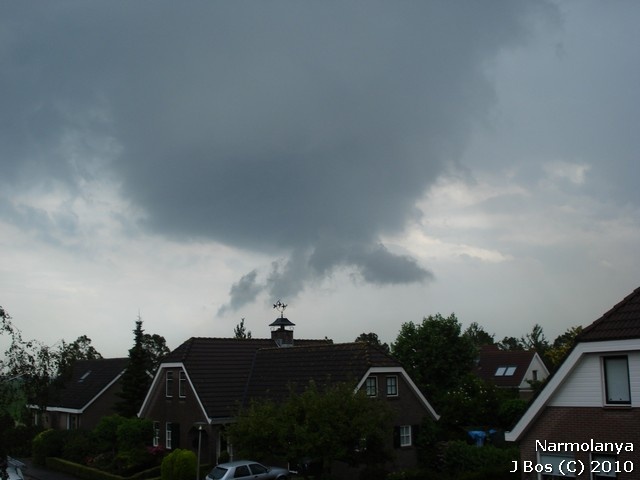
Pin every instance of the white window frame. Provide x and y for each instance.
(182, 384)
(406, 436)
(600, 458)
(168, 438)
(371, 386)
(156, 434)
(392, 388)
(619, 386)
(168, 384)
(554, 459)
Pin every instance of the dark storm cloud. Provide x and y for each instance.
(279, 127)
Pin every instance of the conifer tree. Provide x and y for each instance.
(137, 377)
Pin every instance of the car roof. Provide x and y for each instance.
(236, 463)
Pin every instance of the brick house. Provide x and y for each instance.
(589, 410)
(90, 393)
(511, 369)
(199, 387)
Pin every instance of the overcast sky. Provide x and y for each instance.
(367, 163)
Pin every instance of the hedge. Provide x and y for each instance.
(88, 473)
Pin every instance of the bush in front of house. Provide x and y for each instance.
(47, 443)
(179, 465)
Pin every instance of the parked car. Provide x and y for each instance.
(14, 469)
(245, 469)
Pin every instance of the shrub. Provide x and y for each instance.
(47, 443)
(179, 465)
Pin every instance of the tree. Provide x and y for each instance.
(435, 354)
(136, 378)
(372, 339)
(69, 353)
(562, 345)
(241, 332)
(326, 424)
(155, 347)
(510, 343)
(478, 335)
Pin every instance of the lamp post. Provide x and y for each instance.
(199, 425)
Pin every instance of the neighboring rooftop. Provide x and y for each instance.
(619, 323)
(277, 369)
(88, 379)
(505, 368)
(219, 368)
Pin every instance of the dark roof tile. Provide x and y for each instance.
(619, 323)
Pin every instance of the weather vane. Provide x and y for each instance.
(280, 307)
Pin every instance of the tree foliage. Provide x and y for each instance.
(435, 354)
(136, 378)
(478, 335)
(372, 339)
(240, 331)
(328, 424)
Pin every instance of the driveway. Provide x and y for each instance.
(36, 472)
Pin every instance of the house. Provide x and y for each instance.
(90, 393)
(588, 412)
(511, 369)
(200, 386)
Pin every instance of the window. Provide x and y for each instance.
(505, 371)
(241, 471)
(156, 434)
(604, 467)
(534, 375)
(405, 436)
(555, 460)
(371, 386)
(168, 436)
(72, 422)
(258, 469)
(169, 384)
(182, 384)
(392, 386)
(616, 380)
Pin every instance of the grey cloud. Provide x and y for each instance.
(279, 127)
(242, 292)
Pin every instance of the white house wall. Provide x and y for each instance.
(584, 387)
(538, 365)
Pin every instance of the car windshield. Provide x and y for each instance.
(217, 473)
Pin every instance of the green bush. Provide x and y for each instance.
(460, 457)
(47, 443)
(179, 465)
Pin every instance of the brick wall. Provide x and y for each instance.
(581, 424)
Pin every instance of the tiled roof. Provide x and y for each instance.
(491, 358)
(278, 369)
(219, 369)
(88, 379)
(619, 323)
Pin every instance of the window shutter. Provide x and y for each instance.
(175, 435)
(396, 437)
(415, 434)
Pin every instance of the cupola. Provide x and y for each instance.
(281, 328)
